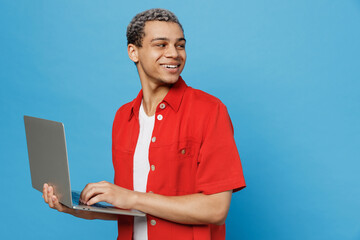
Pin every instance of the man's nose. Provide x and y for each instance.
(171, 52)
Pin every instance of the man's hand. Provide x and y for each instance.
(107, 192)
(53, 202)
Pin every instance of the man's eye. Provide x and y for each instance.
(181, 46)
(160, 45)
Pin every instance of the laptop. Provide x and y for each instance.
(49, 164)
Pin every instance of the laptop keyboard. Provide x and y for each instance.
(76, 200)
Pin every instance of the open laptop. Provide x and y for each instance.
(49, 164)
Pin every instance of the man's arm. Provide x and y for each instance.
(188, 209)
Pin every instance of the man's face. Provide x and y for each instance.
(162, 56)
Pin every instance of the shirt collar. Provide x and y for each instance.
(173, 98)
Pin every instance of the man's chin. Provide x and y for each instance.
(170, 80)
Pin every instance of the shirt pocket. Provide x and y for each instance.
(175, 167)
(184, 166)
(185, 150)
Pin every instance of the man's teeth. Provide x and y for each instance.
(170, 66)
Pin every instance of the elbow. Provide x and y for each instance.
(218, 208)
(219, 217)
(220, 221)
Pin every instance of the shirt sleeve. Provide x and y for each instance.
(219, 167)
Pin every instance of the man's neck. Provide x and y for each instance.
(153, 94)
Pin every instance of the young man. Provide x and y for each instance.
(174, 153)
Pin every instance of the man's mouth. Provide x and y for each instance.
(170, 66)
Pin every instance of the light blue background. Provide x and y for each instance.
(288, 72)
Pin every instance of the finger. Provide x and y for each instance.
(58, 206)
(85, 191)
(91, 190)
(45, 192)
(50, 195)
(96, 199)
(90, 193)
(105, 193)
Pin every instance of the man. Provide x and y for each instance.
(174, 153)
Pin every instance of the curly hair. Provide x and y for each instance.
(135, 30)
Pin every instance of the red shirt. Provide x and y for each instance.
(192, 150)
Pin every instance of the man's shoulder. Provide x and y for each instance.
(126, 107)
(124, 111)
(201, 98)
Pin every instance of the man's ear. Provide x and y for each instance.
(133, 53)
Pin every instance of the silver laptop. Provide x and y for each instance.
(49, 164)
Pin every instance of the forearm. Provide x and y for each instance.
(189, 209)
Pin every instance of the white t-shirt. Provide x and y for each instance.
(142, 167)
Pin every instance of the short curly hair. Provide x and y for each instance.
(135, 30)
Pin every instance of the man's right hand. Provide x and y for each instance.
(51, 199)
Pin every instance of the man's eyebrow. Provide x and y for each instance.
(159, 39)
(167, 39)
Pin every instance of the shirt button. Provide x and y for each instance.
(183, 151)
(162, 105)
(153, 139)
(152, 167)
(159, 117)
(153, 222)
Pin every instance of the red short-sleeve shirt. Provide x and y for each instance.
(192, 150)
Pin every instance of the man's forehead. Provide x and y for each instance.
(162, 30)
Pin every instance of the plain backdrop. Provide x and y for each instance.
(288, 72)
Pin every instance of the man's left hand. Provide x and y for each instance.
(107, 192)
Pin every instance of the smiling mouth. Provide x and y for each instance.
(170, 66)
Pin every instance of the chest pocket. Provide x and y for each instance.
(188, 149)
(185, 150)
(175, 168)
